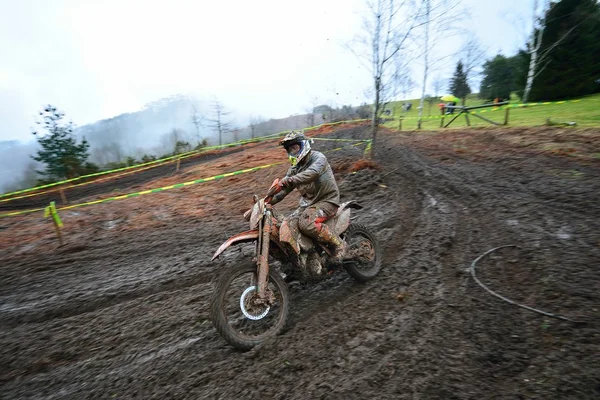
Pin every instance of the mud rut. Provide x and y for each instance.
(127, 317)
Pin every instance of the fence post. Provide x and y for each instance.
(442, 117)
(50, 211)
(62, 196)
(506, 115)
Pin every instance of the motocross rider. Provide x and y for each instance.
(311, 174)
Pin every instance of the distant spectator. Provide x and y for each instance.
(451, 110)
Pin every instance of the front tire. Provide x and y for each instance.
(363, 253)
(241, 322)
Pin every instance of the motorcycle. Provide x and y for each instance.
(251, 300)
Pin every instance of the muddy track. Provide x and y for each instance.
(127, 316)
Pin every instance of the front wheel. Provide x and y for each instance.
(363, 253)
(240, 315)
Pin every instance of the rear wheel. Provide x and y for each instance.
(240, 315)
(363, 253)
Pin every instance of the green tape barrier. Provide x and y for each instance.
(157, 190)
(162, 160)
(499, 108)
(340, 140)
(81, 184)
(96, 174)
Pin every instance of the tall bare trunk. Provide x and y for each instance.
(535, 42)
(377, 70)
(376, 106)
(426, 69)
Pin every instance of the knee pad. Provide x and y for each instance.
(305, 223)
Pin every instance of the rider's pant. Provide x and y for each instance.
(311, 222)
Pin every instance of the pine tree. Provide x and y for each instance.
(570, 50)
(459, 86)
(64, 158)
(500, 76)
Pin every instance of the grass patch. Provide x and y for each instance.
(586, 113)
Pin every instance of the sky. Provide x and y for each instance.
(98, 59)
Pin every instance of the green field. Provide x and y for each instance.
(585, 113)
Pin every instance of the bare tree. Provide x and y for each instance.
(438, 84)
(255, 125)
(426, 55)
(196, 120)
(438, 20)
(310, 115)
(534, 44)
(174, 141)
(538, 60)
(382, 47)
(472, 56)
(236, 132)
(218, 122)
(405, 85)
(430, 101)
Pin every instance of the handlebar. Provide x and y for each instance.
(273, 190)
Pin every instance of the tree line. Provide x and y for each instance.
(64, 157)
(560, 59)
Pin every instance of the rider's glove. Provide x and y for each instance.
(286, 181)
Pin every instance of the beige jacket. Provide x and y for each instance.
(314, 180)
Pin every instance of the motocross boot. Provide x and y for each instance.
(327, 236)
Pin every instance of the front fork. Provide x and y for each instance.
(263, 252)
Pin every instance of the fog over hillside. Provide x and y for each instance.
(154, 130)
(17, 169)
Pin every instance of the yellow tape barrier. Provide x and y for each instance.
(162, 161)
(519, 105)
(156, 190)
(84, 183)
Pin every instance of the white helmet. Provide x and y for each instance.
(296, 137)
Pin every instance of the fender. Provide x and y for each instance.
(243, 237)
(348, 204)
(341, 221)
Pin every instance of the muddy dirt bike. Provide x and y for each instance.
(251, 300)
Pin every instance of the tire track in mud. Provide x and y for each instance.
(145, 270)
(178, 320)
(490, 342)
